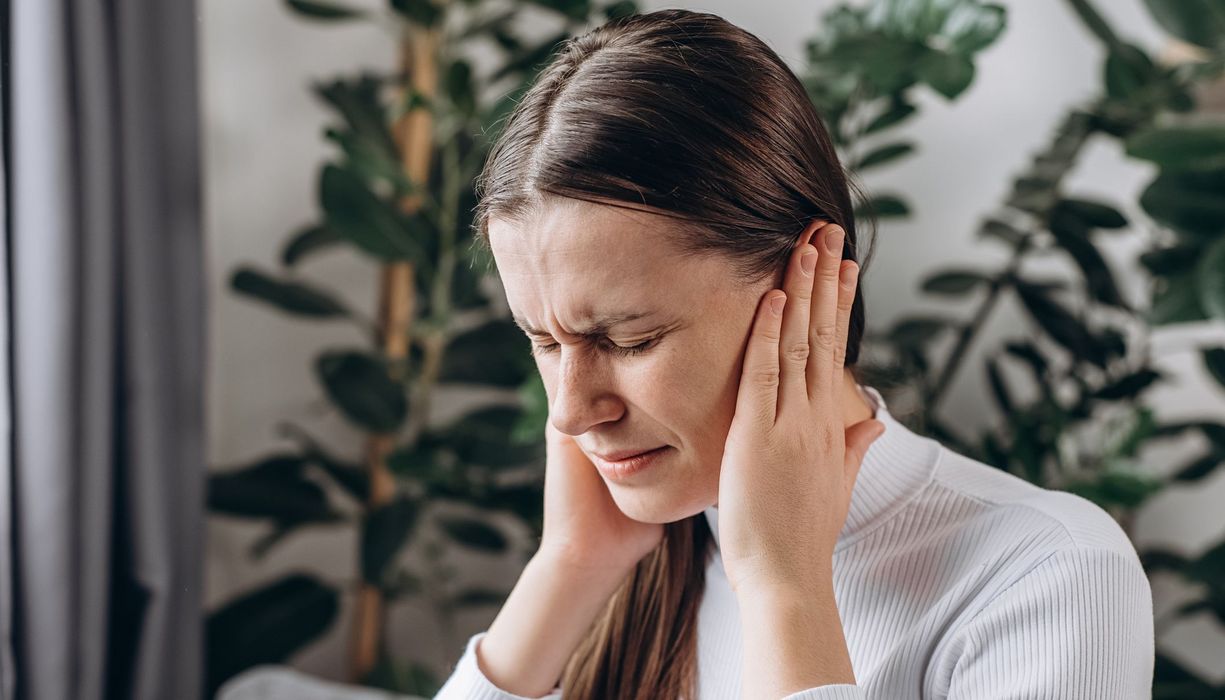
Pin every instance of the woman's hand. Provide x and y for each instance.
(789, 463)
(583, 527)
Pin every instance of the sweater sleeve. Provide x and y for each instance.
(468, 682)
(1077, 625)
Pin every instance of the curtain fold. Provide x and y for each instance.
(105, 470)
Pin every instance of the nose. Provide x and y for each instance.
(581, 395)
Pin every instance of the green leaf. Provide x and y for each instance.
(573, 9)
(622, 8)
(459, 86)
(384, 532)
(882, 155)
(350, 476)
(1172, 260)
(1060, 324)
(1199, 467)
(495, 353)
(1201, 22)
(1117, 489)
(267, 625)
(1090, 214)
(525, 500)
(1215, 432)
(1071, 234)
(290, 297)
(308, 240)
(486, 437)
(371, 223)
(272, 488)
(898, 112)
(1190, 147)
(916, 331)
(422, 12)
(882, 206)
(1003, 231)
(359, 102)
(1188, 201)
(535, 402)
(973, 26)
(1128, 70)
(323, 10)
(1214, 362)
(1178, 301)
(361, 386)
(1209, 567)
(473, 533)
(947, 73)
(999, 388)
(1210, 279)
(1162, 560)
(1129, 386)
(1171, 681)
(954, 282)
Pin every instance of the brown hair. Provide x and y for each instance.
(689, 116)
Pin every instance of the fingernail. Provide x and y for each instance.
(808, 262)
(833, 240)
(776, 305)
(847, 275)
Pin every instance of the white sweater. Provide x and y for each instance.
(953, 579)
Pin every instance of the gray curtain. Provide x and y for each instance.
(104, 317)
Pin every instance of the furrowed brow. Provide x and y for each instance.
(594, 328)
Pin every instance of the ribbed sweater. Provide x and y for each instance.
(953, 579)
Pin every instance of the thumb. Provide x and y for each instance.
(859, 438)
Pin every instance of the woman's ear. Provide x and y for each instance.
(810, 231)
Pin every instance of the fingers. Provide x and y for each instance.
(757, 397)
(823, 319)
(859, 438)
(794, 342)
(848, 281)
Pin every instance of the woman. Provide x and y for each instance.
(663, 184)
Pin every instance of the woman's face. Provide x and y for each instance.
(575, 265)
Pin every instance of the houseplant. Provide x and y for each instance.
(1087, 353)
(408, 144)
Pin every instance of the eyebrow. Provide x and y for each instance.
(597, 327)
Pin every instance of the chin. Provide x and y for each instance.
(653, 505)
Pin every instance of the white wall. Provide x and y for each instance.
(263, 141)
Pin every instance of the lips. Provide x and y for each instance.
(624, 454)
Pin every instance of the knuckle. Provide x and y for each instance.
(766, 378)
(825, 333)
(847, 299)
(839, 354)
(798, 352)
(829, 274)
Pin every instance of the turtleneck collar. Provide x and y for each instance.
(896, 465)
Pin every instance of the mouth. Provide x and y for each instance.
(622, 455)
(631, 464)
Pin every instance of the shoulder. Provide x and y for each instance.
(1017, 510)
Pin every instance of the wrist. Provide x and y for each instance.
(817, 581)
(558, 563)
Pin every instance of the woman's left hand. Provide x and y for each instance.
(789, 463)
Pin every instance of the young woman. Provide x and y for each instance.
(674, 232)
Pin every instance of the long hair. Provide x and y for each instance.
(694, 118)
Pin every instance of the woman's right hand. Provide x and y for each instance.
(583, 526)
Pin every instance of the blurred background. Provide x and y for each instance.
(267, 419)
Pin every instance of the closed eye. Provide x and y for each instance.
(611, 347)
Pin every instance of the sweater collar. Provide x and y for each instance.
(896, 465)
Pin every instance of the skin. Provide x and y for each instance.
(576, 258)
(771, 429)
